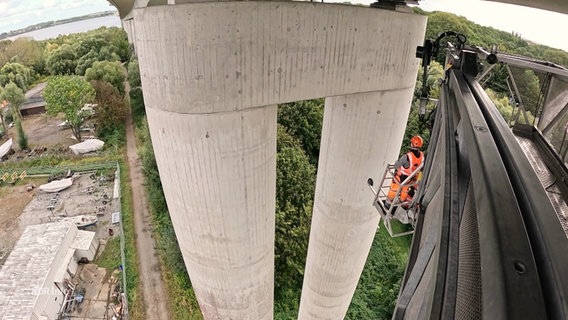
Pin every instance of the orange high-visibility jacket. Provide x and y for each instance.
(414, 161)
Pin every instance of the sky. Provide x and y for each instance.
(17, 14)
(533, 24)
(540, 26)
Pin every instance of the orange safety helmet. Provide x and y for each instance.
(416, 142)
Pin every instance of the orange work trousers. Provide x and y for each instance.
(404, 192)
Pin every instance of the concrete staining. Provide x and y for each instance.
(212, 74)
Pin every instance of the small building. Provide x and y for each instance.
(34, 104)
(36, 276)
(85, 245)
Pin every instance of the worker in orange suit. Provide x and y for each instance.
(405, 166)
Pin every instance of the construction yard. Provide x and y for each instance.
(92, 196)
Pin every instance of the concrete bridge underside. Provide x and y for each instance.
(125, 7)
(213, 74)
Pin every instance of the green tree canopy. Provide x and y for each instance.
(85, 62)
(483, 36)
(62, 61)
(68, 94)
(110, 72)
(295, 185)
(134, 74)
(303, 120)
(109, 43)
(435, 74)
(94, 46)
(15, 95)
(16, 73)
(529, 87)
(502, 104)
(89, 42)
(111, 108)
(27, 51)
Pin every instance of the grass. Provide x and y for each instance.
(110, 257)
(182, 303)
(136, 311)
(377, 291)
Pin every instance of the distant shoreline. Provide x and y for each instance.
(48, 24)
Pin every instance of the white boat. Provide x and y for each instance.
(56, 185)
(82, 221)
(87, 146)
(85, 221)
(5, 147)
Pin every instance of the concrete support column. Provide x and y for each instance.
(361, 133)
(206, 68)
(218, 174)
(128, 26)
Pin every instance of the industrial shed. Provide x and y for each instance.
(38, 272)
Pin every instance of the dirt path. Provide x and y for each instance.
(152, 287)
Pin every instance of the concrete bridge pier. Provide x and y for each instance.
(219, 170)
(360, 132)
(212, 75)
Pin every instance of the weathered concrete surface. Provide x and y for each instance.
(218, 172)
(128, 26)
(357, 140)
(209, 71)
(235, 55)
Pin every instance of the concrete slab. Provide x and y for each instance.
(98, 309)
(103, 292)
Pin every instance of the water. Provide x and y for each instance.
(72, 27)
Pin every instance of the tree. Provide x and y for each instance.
(435, 74)
(88, 42)
(24, 50)
(16, 97)
(2, 124)
(110, 72)
(134, 74)
(303, 120)
(111, 108)
(378, 287)
(17, 73)
(137, 104)
(27, 51)
(22, 137)
(62, 61)
(118, 42)
(487, 36)
(295, 186)
(85, 62)
(502, 104)
(68, 94)
(135, 92)
(2, 120)
(93, 46)
(529, 87)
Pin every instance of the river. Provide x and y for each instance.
(72, 27)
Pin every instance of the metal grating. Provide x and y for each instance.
(547, 180)
(468, 299)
